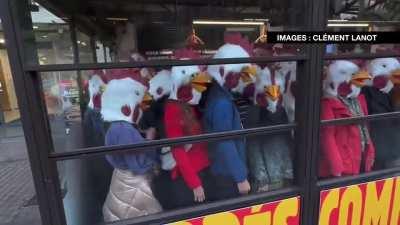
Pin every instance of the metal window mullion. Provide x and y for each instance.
(360, 56)
(93, 46)
(317, 17)
(210, 137)
(361, 119)
(17, 25)
(361, 178)
(160, 63)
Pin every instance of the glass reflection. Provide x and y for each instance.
(352, 89)
(128, 106)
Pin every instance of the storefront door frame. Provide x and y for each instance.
(16, 23)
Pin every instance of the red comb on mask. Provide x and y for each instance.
(237, 39)
(128, 73)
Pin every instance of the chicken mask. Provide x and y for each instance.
(160, 85)
(96, 85)
(188, 82)
(125, 97)
(385, 73)
(234, 77)
(344, 79)
(268, 89)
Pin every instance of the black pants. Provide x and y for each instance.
(173, 194)
(223, 188)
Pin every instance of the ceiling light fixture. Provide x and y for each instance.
(2, 41)
(348, 24)
(35, 27)
(337, 20)
(116, 19)
(227, 22)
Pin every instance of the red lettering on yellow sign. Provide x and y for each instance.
(284, 212)
(373, 203)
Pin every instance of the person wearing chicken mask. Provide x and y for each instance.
(228, 157)
(345, 149)
(385, 74)
(130, 193)
(270, 156)
(152, 122)
(187, 181)
(92, 122)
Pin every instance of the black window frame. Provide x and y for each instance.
(17, 26)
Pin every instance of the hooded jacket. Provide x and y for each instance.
(341, 151)
(228, 157)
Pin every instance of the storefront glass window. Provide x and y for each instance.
(110, 108)
(358, 88)
(127, 185)
(360, 15)
(217, 97)
(53, 38)
(85, 48)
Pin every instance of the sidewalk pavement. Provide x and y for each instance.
(17, 194)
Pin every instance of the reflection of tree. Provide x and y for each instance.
(381, 10)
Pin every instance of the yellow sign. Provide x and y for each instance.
(373, 203)
(284, 212)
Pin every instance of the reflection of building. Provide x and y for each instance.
(8, 100)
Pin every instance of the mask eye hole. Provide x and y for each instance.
(342, 72)
(384, 66)
(159, 90)
(137, 93)
(183, 71)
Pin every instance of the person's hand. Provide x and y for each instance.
(199, 195)
(244, 187)
(151, 133)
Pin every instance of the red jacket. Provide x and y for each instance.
(181, 120)
(341, 144)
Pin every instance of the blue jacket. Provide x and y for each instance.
(228, 157)
(123, 133)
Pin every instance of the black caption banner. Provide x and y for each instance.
(334, 37)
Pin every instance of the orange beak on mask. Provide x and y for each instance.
(147, 99)
(200, 81)
(273, 92)
(395, 77)
(360, 78)
(248, 73)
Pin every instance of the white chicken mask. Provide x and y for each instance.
(268, 88)
(124, 98)
(188, 82)
(385, 73)
(287, 72)
(160, 85)
(234, 77)
(344, 79)
(96, 85)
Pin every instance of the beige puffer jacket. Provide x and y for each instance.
(129, 196)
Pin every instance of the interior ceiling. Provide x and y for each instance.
(96, 11)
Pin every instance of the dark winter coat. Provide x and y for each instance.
(269, 156)
(94, 130)
(384, 133)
